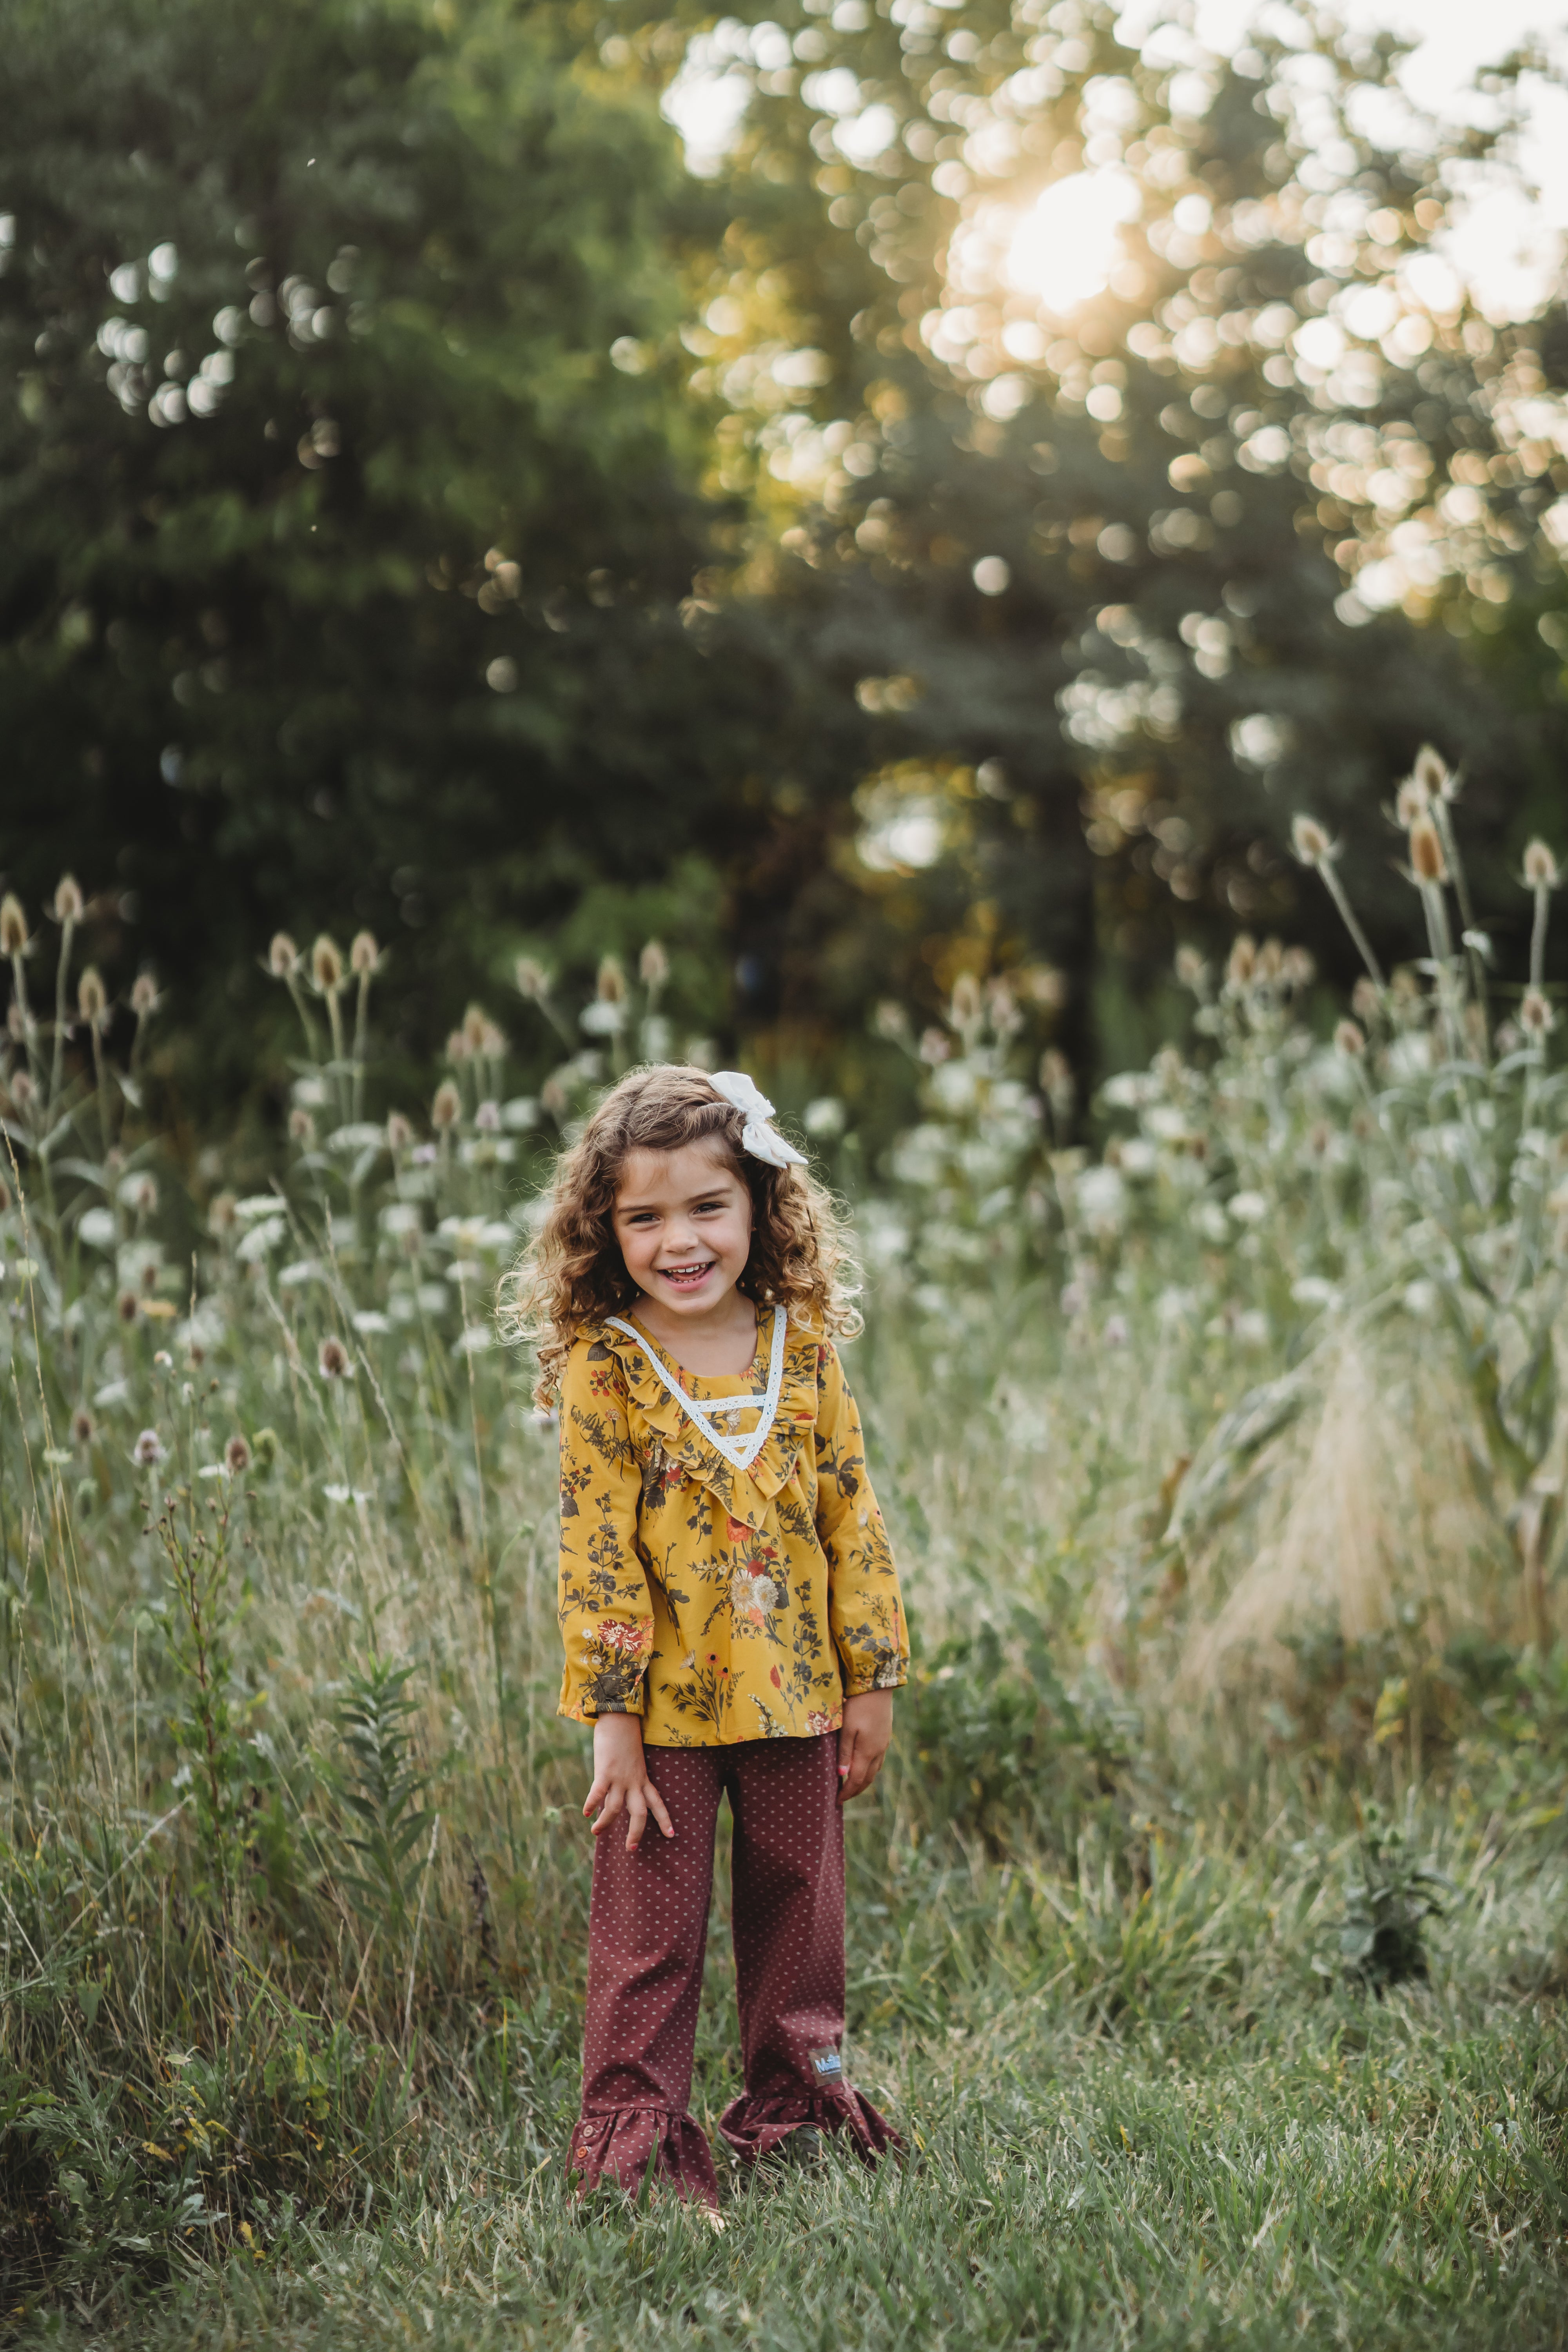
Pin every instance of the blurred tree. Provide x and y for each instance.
(1076, 499)
(350, 490)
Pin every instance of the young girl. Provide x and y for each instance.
(727, 1602)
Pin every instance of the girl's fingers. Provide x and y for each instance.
(613, 1800)
(636, 1819)
(592, 1797)
(656, 1806)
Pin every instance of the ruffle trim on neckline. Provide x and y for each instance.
(744, 1494)
(620, 2143)
(755, 2124)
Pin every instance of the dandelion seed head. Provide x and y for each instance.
(363, 954)
(1427, 862)
(332, 1359)
(236, 1456)
(68, 900)
(448, 1107)
(327, 965)
(282, 957)
(1309, 841)
(1536, 1017)
(12, 926)
(1541, 866)
(652, 966)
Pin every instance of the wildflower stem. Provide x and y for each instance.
(57, 1066)
(1538, 934)
(361, 1037)
(1336, 890)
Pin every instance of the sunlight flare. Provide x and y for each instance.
(1067, 244)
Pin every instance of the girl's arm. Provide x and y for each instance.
(865, 1610)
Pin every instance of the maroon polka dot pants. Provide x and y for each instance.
(647, 1932)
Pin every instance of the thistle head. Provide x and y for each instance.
(1310, 842)
(68, 900)
(1242, 961)
(532, 979)
(327, 965)
(653, 967)
(448, 1107)
(332, 1359)
(1427, 862)
(399, 1134)
(610, 985)
(143, 995)
(363, 954)
(282, 957)
(1351, 1038)
(91, 997)
(1536, 1017)
(236, 1456)
(148, 1451)
(1541, 866)
(12, 926)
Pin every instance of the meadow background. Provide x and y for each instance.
(490, 595)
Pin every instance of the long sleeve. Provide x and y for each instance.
(603, 1607)
(864, 1608)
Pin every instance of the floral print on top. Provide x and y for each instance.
(720, 1604)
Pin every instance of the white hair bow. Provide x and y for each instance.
(762, 1139)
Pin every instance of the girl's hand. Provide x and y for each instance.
(621, 1781)
(863, 1741)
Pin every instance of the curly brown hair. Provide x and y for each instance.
(573, 1271)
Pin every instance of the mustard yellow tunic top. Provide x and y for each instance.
(720, 1603)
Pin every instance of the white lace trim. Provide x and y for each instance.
(739, 1452)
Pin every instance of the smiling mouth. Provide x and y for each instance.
(687, 1277)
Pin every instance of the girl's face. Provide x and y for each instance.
(683, 1221)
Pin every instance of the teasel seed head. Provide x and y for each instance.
(363, 954)
(68, 900)
(532, 979)
(1427, 862)
(1242, 961)
(222, 1216)
(12, 926)
(1541, 866)
(1310, 842)
(1300, 967)
(458, 1048)
(399, 1133)
(653, 965)
(487, 1119)
(966, 1000)
(448, 1107)
(1364, 1001)
(1433, 774)
(127, 1306)
(143, 995)
(1192, 970)
(1351, 1038)
(475, 1024)
(935, 1047)
(332, 1360)
(22, 1088)
(1536, 1017)
(554, 1098)
(301, 1127)
(148, 1451)
(1271, 959)
(492, 1042)
(1057, 1080)
(282, 957)
(236, 1456)
(91, 997)
(610, 986)
(143, 1194)
(82, 1426)
(327, 965)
